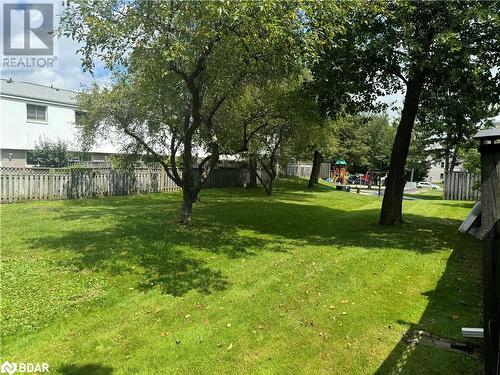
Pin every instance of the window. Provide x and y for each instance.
(442, 164)
(36, 112)
(441, 176)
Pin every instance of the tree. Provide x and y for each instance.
(457, 105)
(471, 159)
(379, 139)
(319, 140)
(405, 46)
(266, 120)
(53, 154)
(313, 133)
(364, 141)
(418, 163)
(185, 61)
(352, 141)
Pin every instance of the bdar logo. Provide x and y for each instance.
(8, 368)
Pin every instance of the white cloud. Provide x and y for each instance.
(67, 73)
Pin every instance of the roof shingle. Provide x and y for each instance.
(37, 92)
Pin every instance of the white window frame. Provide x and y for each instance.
(36, 120)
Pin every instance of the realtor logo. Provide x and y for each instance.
(23, 367)
(28, 40)
(8, 368)
(27, 29)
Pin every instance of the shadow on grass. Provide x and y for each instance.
(455, 303)
(142, 231)
(117, 234)
(88, 369)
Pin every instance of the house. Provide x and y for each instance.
(437, 170)
(29, 112)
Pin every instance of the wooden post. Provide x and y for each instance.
(50, 190)
(490, 228)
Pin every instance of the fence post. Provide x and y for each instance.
(50, 190)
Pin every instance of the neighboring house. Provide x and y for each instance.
(29, 112)
(436, 171)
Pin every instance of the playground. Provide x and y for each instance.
(343, 180)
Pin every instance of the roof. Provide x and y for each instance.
(26, 90)
(488, 133)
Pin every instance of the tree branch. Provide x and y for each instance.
(153, 153)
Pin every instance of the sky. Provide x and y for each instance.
(68, 72)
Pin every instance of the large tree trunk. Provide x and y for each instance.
(447, 160)
(270, 187)
(453, 161)
(317, 160)
(253, 171)
(272, 174)
(392, 204)
(188, 187)
(187, 206)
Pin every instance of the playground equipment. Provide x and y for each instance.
(340, 175)
(339, 172)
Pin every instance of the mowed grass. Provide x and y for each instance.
(301, 282)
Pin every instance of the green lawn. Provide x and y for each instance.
(427, 194)
(302, 282)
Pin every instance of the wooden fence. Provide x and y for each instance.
(303, 169)
(461, 186)
(27, 184)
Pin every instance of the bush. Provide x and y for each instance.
(50, 154)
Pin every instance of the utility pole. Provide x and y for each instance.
(381, 159)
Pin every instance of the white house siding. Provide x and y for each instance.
(18, 132)
(19, 135)
(436, 172)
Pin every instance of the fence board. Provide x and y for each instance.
(25, 184)
(461, 186)
(303, 169)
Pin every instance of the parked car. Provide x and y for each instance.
(427, 185)
(357, 180)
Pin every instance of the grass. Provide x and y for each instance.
(302, 282)
(427, 194)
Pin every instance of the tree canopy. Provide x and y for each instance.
(194, 80)
(186, 61)
(405, 47)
